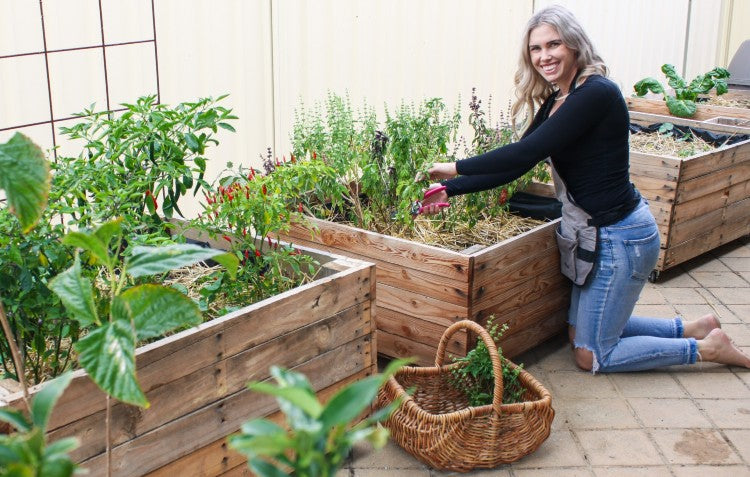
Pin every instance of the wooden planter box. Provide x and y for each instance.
(424, 289)
(718, 115)
(196, 380)
(700, 202)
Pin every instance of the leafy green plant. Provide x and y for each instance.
(125, 315)
(26, 452)
(475, 377)
(683, 102)
(24, 176)
(249, 210)
(132, 161)
(319, 437)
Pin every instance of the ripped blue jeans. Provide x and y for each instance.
(601, 309)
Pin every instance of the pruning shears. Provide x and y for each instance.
(417, 207)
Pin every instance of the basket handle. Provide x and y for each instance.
(497, 370)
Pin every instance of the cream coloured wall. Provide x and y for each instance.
(271, 54)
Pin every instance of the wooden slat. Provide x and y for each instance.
(703, 243)
(655, 189)
(725, 214)
(345, 239)
(539, 282)
(702, 113)
(217, 459)
(720, 161)
(708, 183)
(655, 166)
(194, 431)
(396, 346)
(420, 331)
(418, 306)
(211, 383)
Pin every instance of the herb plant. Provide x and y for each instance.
(475, 378)
(318, 436)
(683, 102)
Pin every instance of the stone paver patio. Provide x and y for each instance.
(681, 421)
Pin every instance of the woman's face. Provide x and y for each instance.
(550, 57)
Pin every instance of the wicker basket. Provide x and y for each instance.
(437, 425)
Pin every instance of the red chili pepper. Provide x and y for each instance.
(244, 232)
(264, 190)
(257, 253)
(247, 254)
(148, 192)
(503, 196)
(226, 238)
(156, 204)
(247, 193)
(315, 155)
(299, 207)
(269, 242)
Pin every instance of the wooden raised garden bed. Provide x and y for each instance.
(423, 289)
(708, 113)
(196, 380)
(700, 202)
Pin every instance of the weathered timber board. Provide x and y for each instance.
(416, 305)
(703, 111)
(727, 215)
(703, 243)
(217, 459)
(204, 426)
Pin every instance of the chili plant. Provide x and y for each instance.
(683, 102)
(318, 436)
(138, 162)
(249, 210)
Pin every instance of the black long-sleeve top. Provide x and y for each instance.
(587, 140)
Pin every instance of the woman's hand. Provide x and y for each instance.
(442, 170)
(432, 203)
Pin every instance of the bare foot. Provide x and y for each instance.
(701, 327)
(717, 347)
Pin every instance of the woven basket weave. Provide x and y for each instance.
(437, 425)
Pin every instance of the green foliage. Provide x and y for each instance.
(683, 102)
(152, 152)
(26, 452)
(24, 176)
(475, 377)
(376, 165)
(249, 210)
(132, 312)
(319, 437)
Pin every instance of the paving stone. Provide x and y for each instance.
(392, 473)
(571, 384)
(682, 296)
(390, 456)
(651, 296)
(655, 311)
(733, 249)
(675, 277)
(742, 312)
(703, 264)
(559, 450)
(501, 471)
(727, 413)
(671, 413)
(694, 447)
(659, 383)
(737, 264)
(739, 332)
(745, 276)
(740, 439)
(711, 470)
(732, 296)
(558, 472)
(559, 358)
(580, 413)
(618, 447)
(720, 384)
(655, 471)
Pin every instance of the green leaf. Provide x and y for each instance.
(268, 444)
(266, 469)
(25, 177)
(227, 126)
(91, 243)
(15, 419)
(76, 293)
(675, 81)
(648, 84)
(45, 399)
(108, 355)
(106, 231)
(155, 310)
(146, 261)
(192, 142)
(301, 398)
(57, 466)
(61, 446)
(681, 107)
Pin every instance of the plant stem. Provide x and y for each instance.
(16, 356)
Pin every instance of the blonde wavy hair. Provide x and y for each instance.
(531, 88)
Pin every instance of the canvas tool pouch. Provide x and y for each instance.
(576, 239)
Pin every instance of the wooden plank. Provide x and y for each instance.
(214, 382)
(702, 113)
(655, 189)
(406, 253)
(217, 459)
(420, 331)
(720, 161)
(538, 283)
(703, 243)
(708, 183)
(396, 346)
(418, 306)
(194, 431)
(655, 166)
(529, 337)
(707, 213)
